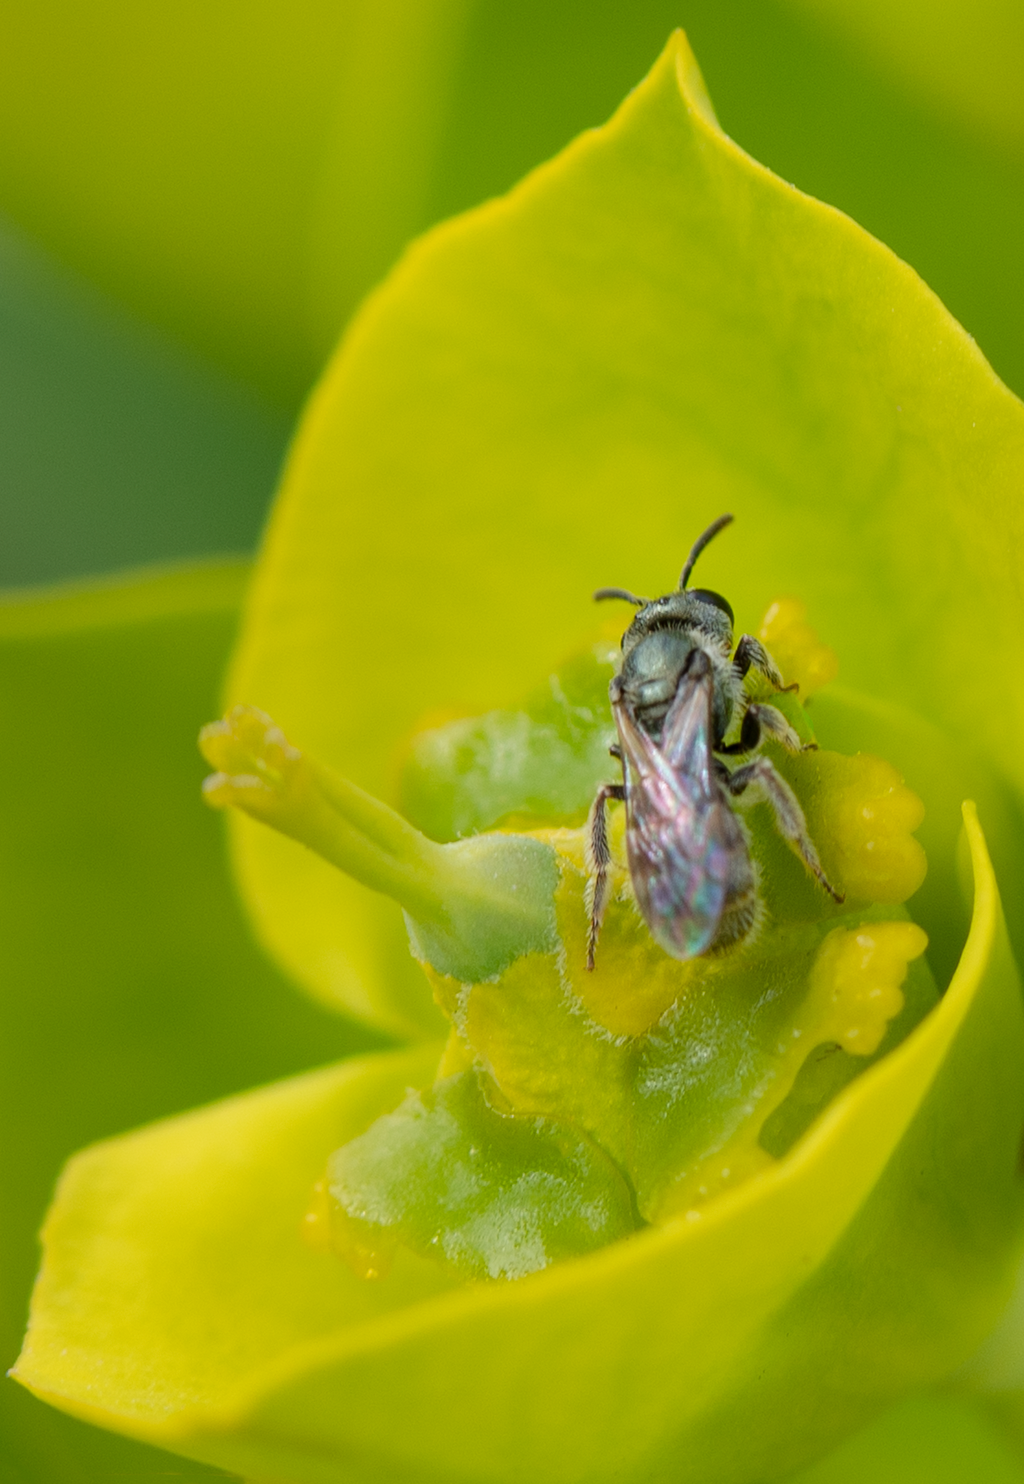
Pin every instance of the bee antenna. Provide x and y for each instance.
(619, 592)
(699, 545)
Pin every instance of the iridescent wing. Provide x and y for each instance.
(681, 835)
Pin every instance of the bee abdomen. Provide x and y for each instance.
(737, 921)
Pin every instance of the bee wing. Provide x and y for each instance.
(682, 761)
(686, 735)
(680, 834)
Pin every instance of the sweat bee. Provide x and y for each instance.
(674, 700)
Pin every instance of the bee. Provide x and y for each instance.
(677, 694)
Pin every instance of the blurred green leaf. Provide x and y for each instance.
(237, 173)
(966, 60)
(129, 985)
(927, 1440)
(115, 447)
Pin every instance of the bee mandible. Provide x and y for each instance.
(674, 700)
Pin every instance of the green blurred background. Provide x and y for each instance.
(196, 196)
(193, 198)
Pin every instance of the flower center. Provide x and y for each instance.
(582, 1096)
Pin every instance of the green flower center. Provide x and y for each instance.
(573, 1106)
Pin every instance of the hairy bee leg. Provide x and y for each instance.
(789, 817)
(759, 719)
(752, 655)
(599, 859)
(769, 719)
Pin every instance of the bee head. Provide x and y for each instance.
(713, 600)
(696, 607)
(683, 611)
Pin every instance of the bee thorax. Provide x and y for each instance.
(652, 669)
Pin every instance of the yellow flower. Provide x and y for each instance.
(645, 331)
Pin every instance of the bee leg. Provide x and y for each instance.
(759, 719)
(599, 859)
(769, 719)
(752, 655)
(789, 817)
(750, 733)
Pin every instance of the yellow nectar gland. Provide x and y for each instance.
(796, 648)
(861, 813)
(855, 983)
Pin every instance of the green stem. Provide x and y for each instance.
(474, 906)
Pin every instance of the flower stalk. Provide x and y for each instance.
(472, 906)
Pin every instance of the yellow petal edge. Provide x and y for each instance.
(177, 1302)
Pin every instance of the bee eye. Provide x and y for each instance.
(715, 600)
